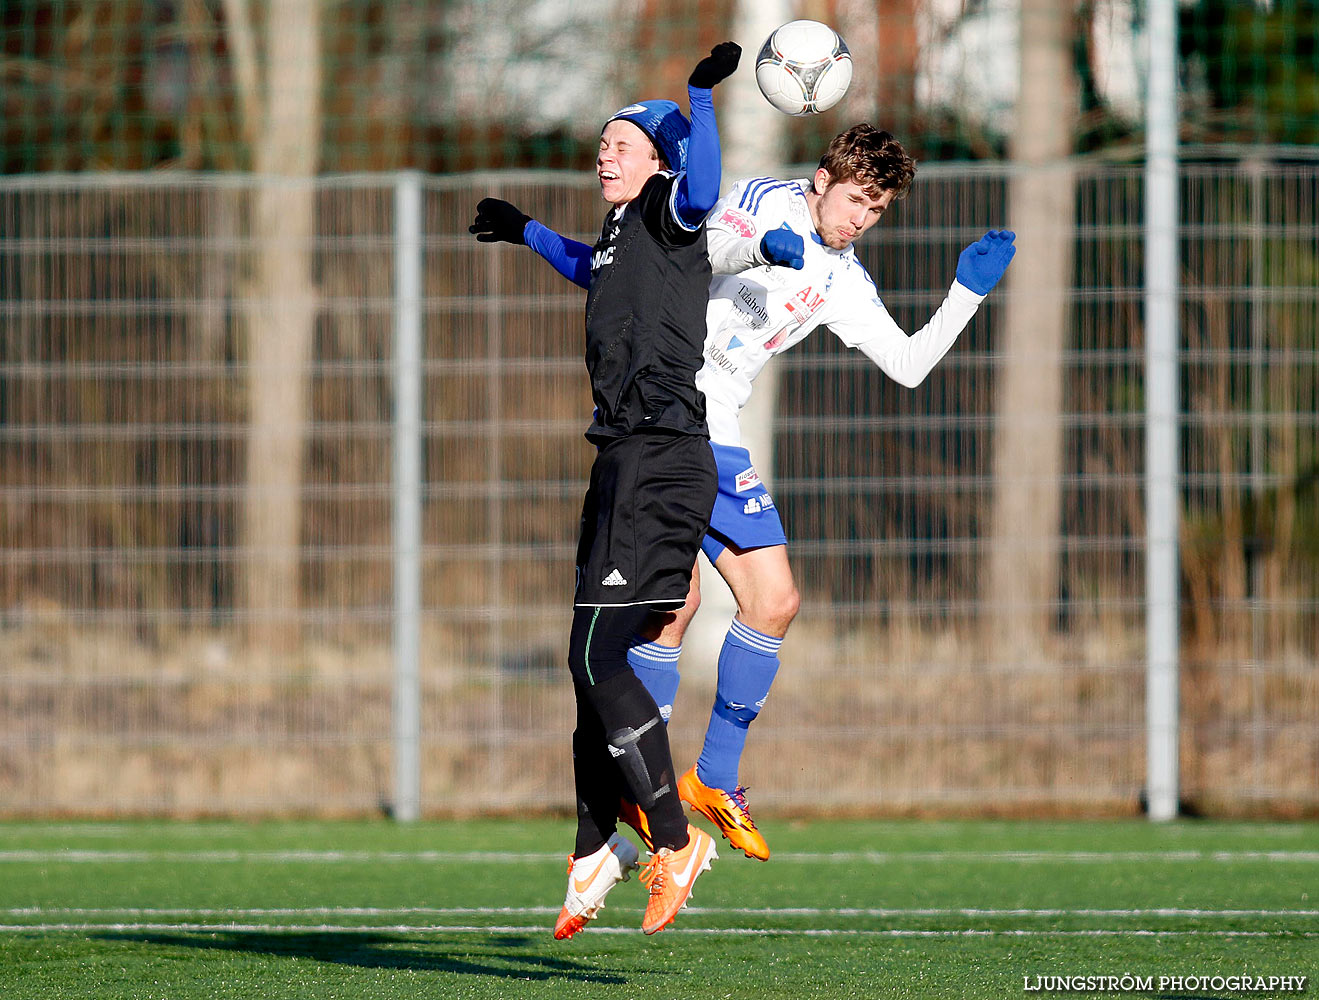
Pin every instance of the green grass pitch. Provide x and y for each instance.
(175, 910)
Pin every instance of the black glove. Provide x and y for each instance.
(498, 222)
(718, 65)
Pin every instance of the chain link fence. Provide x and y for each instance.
(163, 649)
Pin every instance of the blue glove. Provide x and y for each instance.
(783, 247)
(981, 264)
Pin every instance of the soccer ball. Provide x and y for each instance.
(803, 68)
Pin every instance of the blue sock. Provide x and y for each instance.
(747, 665)
(657, 668)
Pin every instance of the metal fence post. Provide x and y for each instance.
(407, 496)
(1162, 406)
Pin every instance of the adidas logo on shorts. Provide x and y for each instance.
(614, 579)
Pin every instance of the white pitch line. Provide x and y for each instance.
(707, 931)
(16, 829)
(80, 856)
(1102, 857)
(759, 911)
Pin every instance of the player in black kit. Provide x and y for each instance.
(653, 482)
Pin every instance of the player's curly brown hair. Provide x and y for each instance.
(872, 158)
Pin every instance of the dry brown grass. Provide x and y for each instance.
(905, 723)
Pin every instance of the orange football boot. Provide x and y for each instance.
(727, 810)
(589, 880)
(670, 875)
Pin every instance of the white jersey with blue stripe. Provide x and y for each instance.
(757, 310)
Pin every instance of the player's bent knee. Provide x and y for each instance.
(789, 605)
(668, 627)
(775, 611)
(687, 612)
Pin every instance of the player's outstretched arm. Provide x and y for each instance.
(500, 222)
(908, 360)
(698, 189)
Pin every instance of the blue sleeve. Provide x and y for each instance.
(570, 258)
(698, 188)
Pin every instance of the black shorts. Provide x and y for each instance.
(643, 519)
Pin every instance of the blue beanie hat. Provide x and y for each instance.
(664, 124)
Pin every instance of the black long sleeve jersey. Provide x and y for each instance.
(645, 318)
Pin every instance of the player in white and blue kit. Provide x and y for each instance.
(783, 263)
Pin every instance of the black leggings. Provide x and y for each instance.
(621, 741)
(600, 639)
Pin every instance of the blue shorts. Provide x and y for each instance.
(744, 515)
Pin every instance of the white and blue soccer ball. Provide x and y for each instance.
(804, 68)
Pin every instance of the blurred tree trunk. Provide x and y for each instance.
(281, 112)
(885, 54)
(1023, 545)
(752, 137)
